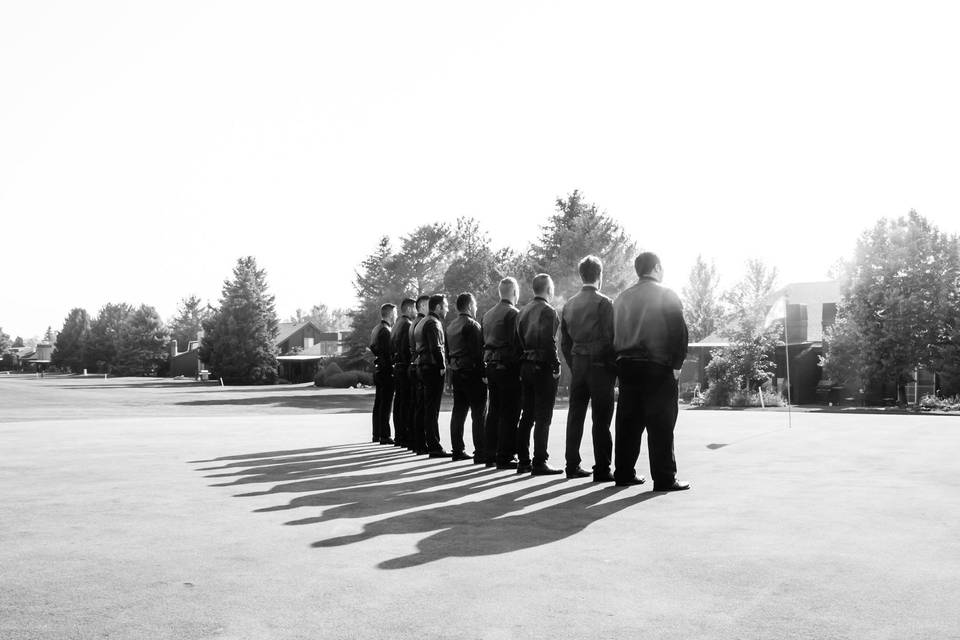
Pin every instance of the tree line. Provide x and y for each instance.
(899, 311)
(899, 306)
(458, 257)
(127, 340)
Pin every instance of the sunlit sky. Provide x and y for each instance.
(144, 147)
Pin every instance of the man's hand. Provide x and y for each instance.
(676, 374)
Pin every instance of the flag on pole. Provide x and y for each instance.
(777, 312)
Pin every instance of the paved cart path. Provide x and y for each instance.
(129, 514)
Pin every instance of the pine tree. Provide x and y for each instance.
(70, 350)
(187, 324)
(107, 332)
(239, 338)
(578, 229)
(142, 349)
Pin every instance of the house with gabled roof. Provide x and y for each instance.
(811, 308)
(302, 346)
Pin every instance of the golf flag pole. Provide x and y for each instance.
(786, 356)
(778, 311)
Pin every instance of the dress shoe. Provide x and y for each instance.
(510, 464)
(387, 441)
(543, 469)
(420, 452)
(676, 486)
(631, 482)
(399, 443)
(489, 464)
(460, 455)
(578, 472)
(479, 460)
(438, 453)
(376, 440)
(524, 467)
(603, 476)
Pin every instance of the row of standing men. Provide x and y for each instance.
(505, 370)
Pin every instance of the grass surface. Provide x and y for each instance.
(152, 509)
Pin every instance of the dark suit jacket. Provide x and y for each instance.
(500, 343)
(648, 325)
(464, 344)
(586, 326)
(537, 325)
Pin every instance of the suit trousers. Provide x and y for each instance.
(382, 401)
(593, 381)
(538, 393)
(469, 394)
(417, 437)
(648, 400)
(432, 382)
(401, 404)
(503, 413)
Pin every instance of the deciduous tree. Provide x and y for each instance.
(899, 306)
(701, 300)
(747, 362)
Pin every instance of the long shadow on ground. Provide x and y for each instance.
(471, 510)
(340, 403)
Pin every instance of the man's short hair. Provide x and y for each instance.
(385, 310)
(464, 300)
(436, 300)
(541, 284)
(645, 263)
(421, 300)
(508, 286)
(590, 268)
(408, 305)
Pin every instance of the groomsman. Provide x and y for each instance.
(400, 349)
(650, 340)
(465, 350)
(537, 325)
(383, 373)
(432, 366)
(586, 330)
(501, 357)
(418, 443)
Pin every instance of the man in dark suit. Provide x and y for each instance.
(501, 357)
(650, 340)
(586, 339)
(383, 373)
(465, 350)
(432, 366)
(400, 350)
(537, 325)
(418, 443)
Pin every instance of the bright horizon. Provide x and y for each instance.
(143, 149)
